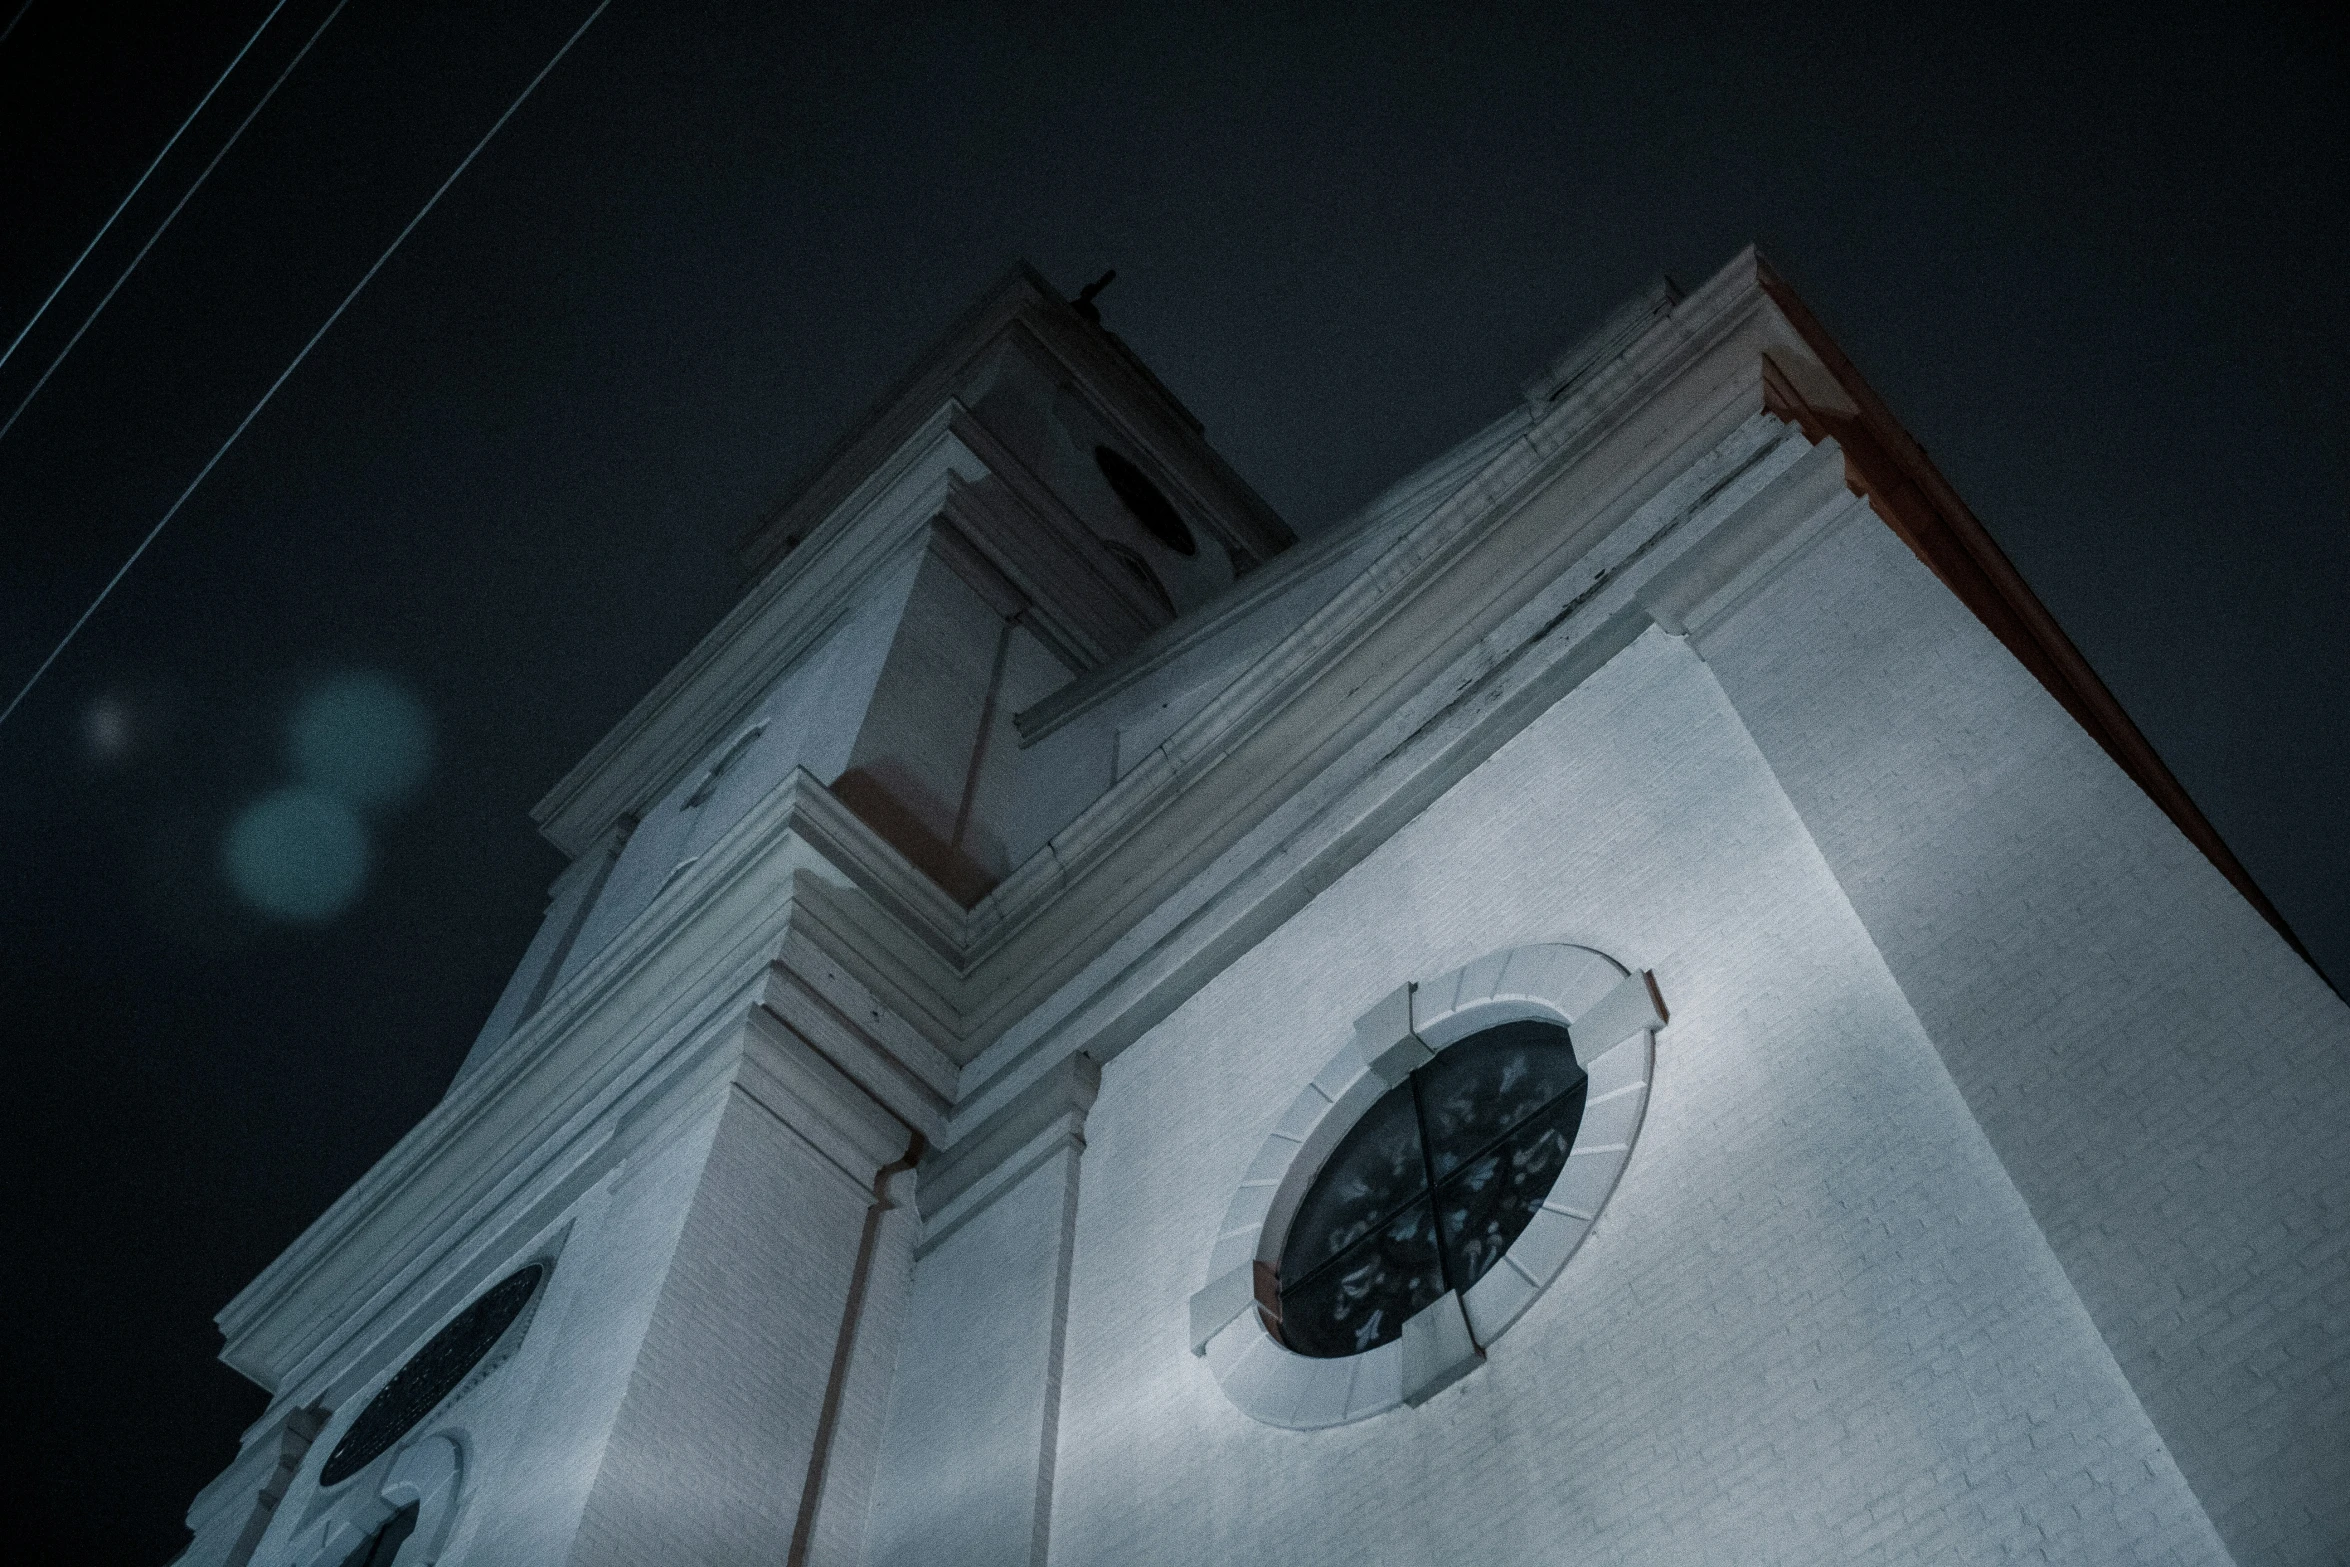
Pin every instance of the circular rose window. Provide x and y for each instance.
(1418, 1195)
(1430, 1187)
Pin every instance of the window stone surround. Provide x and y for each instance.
(1613, 1015)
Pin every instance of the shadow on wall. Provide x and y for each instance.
(887, 799)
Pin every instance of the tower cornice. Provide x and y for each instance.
(875, 491)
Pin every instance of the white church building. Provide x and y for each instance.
(1637, 1002)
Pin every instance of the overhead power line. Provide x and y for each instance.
(197, 184)
(141, 183)
(295, 363)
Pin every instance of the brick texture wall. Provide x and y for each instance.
(1817, 1322)
(2166, 1082)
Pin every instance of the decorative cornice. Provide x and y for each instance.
(1070, 1086)
(1401, 504)
(1383, 636)
(784, 615)
(1023, 303)
(957, 1183)
(1355, 802)
(789, 1078)
(820, 1000)
(1383, 644)
(890, 420)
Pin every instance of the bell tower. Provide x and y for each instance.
(1062, 506)
(693, 1117)
(1028, 505)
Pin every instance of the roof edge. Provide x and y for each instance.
(1887, 467)
(769, 539)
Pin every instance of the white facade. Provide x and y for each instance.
(965, 946)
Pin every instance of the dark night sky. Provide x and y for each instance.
(2093, 264)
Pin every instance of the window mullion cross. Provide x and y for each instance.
(1428, 1173)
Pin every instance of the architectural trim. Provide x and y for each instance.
(431, 1476)
(861, 1038)
(1446, 724)
(1082, 579)
(1604, 343)
(958, 1181)
(427, 1475)
(1361, 678)
(1581, 619)
(295, 1429)
(1401, 503)
(792, 1081)
(617, 1034)
(1024, 302)
(779, 619)
(1070, 907)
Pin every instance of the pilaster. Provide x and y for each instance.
(966, 1470)
(732, 1411)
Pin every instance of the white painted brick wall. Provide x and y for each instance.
(537, 1433)
(960, 1474)
(2167, 1083)
(710, 1454)
(1816, 1323)
(534, 1433)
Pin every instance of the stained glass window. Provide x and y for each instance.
(431, 1375)
(1429, 1188)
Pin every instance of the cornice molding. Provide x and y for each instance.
(1618, 437)
(779, 620)
(956, 1182)
(799, 1085)
(890, 420)
(1024, 304)
(1400, 505)
(1551, 644)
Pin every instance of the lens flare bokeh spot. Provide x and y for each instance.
(109, 730)
(362, 736)
(297, 854)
